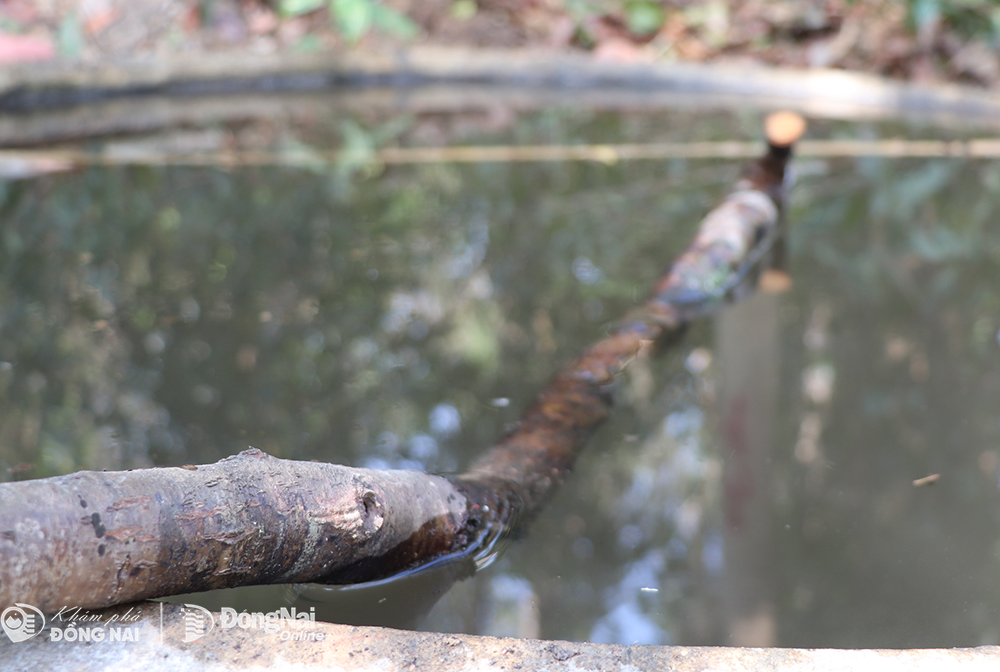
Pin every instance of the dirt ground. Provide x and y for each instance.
(950, 40)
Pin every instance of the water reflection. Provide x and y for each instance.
(748, 356)
(403, 320)
(400, 602)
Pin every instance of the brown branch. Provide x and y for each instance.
(721, 264)
(94, 539)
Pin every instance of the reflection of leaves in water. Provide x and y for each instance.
(358, 150)
(201, 310)
(178, 315)
(909, 189)
(943, 244)
(357, 153)
(905, 259)
(895, 232)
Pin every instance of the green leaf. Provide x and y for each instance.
(463, 10)
(580, 10)
(388, 20)
(643, 17)
(70, 37)
(354, 18)
(299, 7)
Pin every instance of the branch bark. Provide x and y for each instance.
(94, 539)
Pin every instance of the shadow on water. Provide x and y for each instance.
(400, 602)
(755, 484)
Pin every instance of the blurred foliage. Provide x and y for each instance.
(171, 316)
(355, 18)
(463, 10)
(970, 19)
(900, 255)
(643, 17)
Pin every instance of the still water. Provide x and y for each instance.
(756, 484)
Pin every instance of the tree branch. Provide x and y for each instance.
(94, 539)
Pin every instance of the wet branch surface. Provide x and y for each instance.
(95, 539)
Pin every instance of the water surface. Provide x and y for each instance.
(756, 483)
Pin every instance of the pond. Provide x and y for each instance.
(756, 484)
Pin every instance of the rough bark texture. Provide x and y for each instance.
(99, 538)
(159, 645)
(95, 539)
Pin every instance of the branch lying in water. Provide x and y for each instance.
(94, 539)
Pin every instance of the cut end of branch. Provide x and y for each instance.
(784, 128)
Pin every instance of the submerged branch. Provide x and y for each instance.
(94, 539)
(721, 265)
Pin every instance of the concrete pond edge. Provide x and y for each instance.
(827, 93)
(154, 636)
